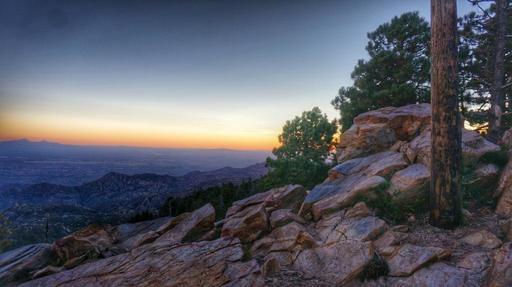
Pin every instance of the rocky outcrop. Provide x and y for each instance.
(500, 274)
(439, 274)
(213, 263)
(21, 263)
(410, 184)
(482, 238)
(338, 263)
(409, 258)
(247, 219)
(378, 130)
(191, 228)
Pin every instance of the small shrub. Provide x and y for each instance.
(499, 158)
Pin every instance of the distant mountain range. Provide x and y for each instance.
(113, 198)
(24, 162)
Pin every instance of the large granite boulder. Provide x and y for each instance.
(436, 275)
(410, 184)
(409, 258)
(345, 194)
(92, 242)
(483, 239)
(378, 130)
(206, 263)
(20, 264)
(358, 229)
(336, 264)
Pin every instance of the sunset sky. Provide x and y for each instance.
(204, 74)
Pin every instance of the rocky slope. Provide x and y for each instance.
(114, 198)
(333, 235)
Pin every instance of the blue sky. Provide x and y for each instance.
(178, 73)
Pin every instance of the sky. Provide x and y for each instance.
(195, 74)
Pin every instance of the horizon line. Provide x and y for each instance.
(129, 146)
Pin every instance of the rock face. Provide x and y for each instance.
(410, 184)
(501, 270)
(22, 262)
(247, 219)
(214, 263)
(378, 130)
(409, 258)
(191, 227)
(337, 263)
(482, 238)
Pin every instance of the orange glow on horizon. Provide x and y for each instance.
(113, 134)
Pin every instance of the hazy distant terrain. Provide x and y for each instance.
(72, 186)
(113, 198)
(24, 162)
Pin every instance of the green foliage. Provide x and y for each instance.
(220, 197)
(476, 58)
(306, 143)
(396, 213)
(5, 242)
(499, 158)
(397, 73)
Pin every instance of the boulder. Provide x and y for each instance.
(473, 147)
(248, 218)
(206, 263)
(504, 207)
(482, 238)
(131, 235)
(358, 210)
(190, 228)
(381, 162)
(389, 238)
(409, 258)
(378, 130)
(410, 184)
(92, 242)
(387, 166)
(500, 274)
(282, 217)
(436, 275)
(484, 179)
(345, 195)
(290, 237)
(476, 262)
(336, 264)
(247, 224)
(18, 265)
(289, 196)
(356, 229)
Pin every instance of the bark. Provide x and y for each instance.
(445, 200)
(497, 91)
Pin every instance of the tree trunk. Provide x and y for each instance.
(497, 96)
(445, 200)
